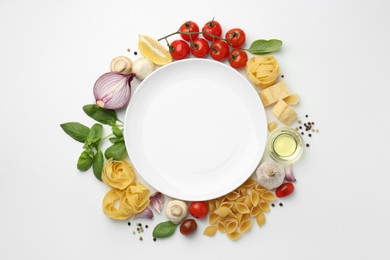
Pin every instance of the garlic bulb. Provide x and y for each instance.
(121, 64)
(112, 90)
(270, 175)
(176, 211)
(142, 67)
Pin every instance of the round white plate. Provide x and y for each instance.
(195, 129)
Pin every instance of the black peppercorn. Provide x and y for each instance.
(135, 53)
(307, 145)
(154, 239)
(281, 204)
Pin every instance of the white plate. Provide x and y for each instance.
(195, 129)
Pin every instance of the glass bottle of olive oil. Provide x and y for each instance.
(285, 145)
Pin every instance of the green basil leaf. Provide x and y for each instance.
(98, 165)
(117, 131)
(84, 162)
(76, 130)
(164, 229)
(116, 151)
(95, 134)
(113, 139)
(264, 47)
(104, 116)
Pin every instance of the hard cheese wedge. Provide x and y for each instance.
(273, 94)
(284, 113)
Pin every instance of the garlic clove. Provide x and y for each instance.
(157, 201)
(290, 174)
(142, 67)
(122, 65)
(146, 213)
(270, 175)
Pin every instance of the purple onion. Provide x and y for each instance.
(112, 90)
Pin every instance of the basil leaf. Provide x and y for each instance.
(164, 229)
(113, 139)
(84, 162)
(98, 165)
(95, 134)
(117, 132)
(76, 130)
(116, 151)
(264, 47)
(104, 116)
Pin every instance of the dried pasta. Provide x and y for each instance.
(232, 214)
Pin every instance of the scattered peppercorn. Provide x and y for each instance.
(146, 226)
(281, 204)
(273, 205)
(302, 133)
(128, 223)
(307, 145)
(135, 53)
(154, 239)
(128, 50)
(309, 135)
(141, 238)
(300, 127)
(282, 76)
(307, 116)
(299, 122)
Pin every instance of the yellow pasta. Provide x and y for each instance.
(210, 231)
(112, 206)
(263, 71)
(118, 174)
(232, 214)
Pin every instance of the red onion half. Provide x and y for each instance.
(112, 90)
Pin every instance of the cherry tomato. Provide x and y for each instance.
(199, 209)
(212, 27)
(284, 190)
(179, 49)
(238, 58)
(236, 37)
(200, 48)
(186, 27)
(188, 227)
(219, 50)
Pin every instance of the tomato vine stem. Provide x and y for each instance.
(191, 33)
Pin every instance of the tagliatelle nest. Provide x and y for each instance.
(232, 214)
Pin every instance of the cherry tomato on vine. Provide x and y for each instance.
(188, 227)
(200, 48)
(186, 27)
(238, 58)
(236, 37)
(179, 49)
(284, 190)
(212, 27)
(219, 50)
(199, 209)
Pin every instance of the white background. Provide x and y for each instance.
(335, 56)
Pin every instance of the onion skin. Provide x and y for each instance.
(112, 90)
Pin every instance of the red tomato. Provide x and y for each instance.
(200, 48)
(284, 190)
(186, 27)
(188, 227)
(236, 37)
(179, 49)
(238, 58)
(199, 209)
(212, 27)
(219, 50)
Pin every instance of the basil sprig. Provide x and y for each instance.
(92, 156)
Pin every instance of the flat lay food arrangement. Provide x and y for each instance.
(210, 155)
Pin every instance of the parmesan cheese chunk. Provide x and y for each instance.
(284, 113)
(274, 93)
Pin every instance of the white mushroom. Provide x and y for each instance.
(121, 64)
(270, 175)
(176, 211)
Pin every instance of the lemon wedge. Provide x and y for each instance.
(153, 50)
